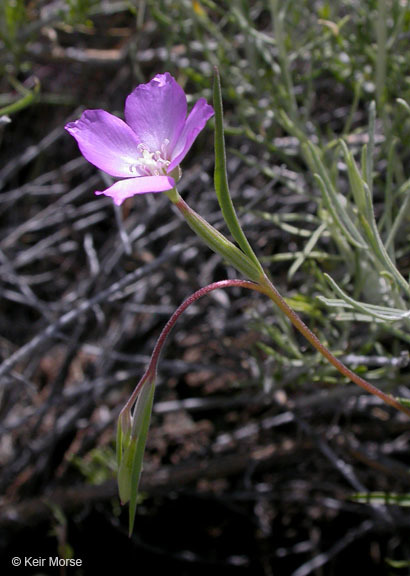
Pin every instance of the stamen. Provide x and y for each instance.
(151, 163)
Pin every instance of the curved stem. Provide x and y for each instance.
(217, 242)
(265, 287)
(152, 367)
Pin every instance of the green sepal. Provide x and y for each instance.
(123, 434)
(119, 444)
(131, 440)
(142, 420)
(124, 478)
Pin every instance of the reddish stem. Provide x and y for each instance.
(269, 290)
(274, 295)
(152, 367)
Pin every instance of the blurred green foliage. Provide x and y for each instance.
(98, 466)
(13, 16)
(78, 12)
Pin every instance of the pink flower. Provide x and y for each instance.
(146, 148)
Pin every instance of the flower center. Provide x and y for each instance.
(151, 163)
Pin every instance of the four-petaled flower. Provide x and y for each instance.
(147, 148)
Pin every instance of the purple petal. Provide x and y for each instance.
(195, 122)
(106, 141)
(156, 112)
(131, 186)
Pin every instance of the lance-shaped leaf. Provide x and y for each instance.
(221, 179)
(379, 312)
(363, 199)
(331, 197)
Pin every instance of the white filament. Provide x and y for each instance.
(151, 163)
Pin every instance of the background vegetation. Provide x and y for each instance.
(260, 460)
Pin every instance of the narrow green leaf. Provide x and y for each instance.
(221, 179)
(331, 198)
(402, 213)
(403, 104)
(363, 198)
(339, 215)
(399, 564)
(372, 311)
(307, 250)
(368, 175)
(291, 127)
(355, 179)
(369, 225)
(382, 498)
(380, 312)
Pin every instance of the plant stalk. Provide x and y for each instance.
(151, 371)
(260, 282)
(275, 296)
